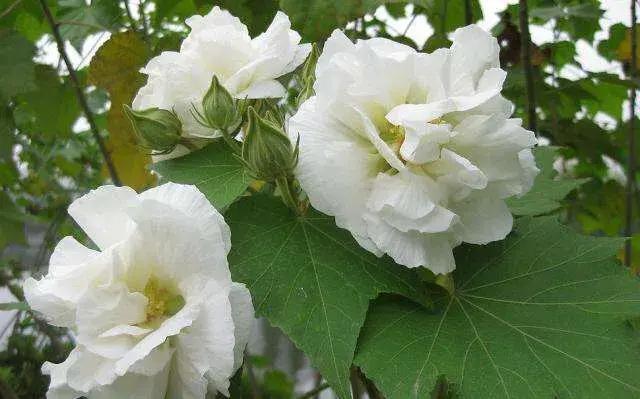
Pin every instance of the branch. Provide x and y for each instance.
(11, 7)
(132, 21)
(82, 100)
(314, 392)
(468, 12)
(631, 165)
(525, 40)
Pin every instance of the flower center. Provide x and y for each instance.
(163, 301)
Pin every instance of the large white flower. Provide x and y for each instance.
(154, 310)
(413, 153)
(219, 44)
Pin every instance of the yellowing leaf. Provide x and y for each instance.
(115, 69)
(624, 49)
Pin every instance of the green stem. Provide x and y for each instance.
(285, 184)
(314, 392)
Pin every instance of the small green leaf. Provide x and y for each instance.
(17, 74)
(310, 279)
(542, 314)
(13, 306)
(11, 223)
(547, 192)
(213, 169)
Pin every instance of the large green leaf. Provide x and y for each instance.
(213, 169)
(52, 108)
(547, 191)
(17, 73)
(78, 19)
(310, 279)
(316, 19)
(446, 15)
(543, 314)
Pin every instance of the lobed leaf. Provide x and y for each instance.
(547, 192)
(542, 314)
(213, 169)
(310, 279)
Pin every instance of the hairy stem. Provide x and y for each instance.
(82, 100)
(631, 165)
(528, 67)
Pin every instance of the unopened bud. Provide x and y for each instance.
(266, 149)
(308, 75)
(220, 111)
(156, 129)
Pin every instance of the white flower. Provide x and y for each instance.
(154, 310)
(219, 44)
(413, 153)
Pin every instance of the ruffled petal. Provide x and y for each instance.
(101, 214)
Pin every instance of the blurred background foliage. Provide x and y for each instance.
(54, 117)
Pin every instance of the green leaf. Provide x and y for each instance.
(17, 74)
(310, 279)
(13, 306)
(256, 14)
(78, 19)
(316, 19)
(213, 169)
(11, 223)
(543, 314)
(446, 15)
(52, 107)
(547, 192)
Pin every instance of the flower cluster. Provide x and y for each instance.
(154, 310)
(413, 153)
(219, 45)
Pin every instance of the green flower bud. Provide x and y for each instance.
(266, 150)
(308, 75)
(156, 129)
(220, 111)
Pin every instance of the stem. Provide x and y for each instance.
(132, 21)
(82, 100)
(468, 12)
(285, 184)
(631, 166)
(525, 39)
(6, 391)
(314, 392)
(80, 23)
(11, 7)
(255, 392)
(143, 19)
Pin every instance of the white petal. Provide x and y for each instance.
(263, 89)
(414, 249)
(335, 166)
(243, 320)
(196, 248)
(205, 352)
(190, 201)
(406, 202)
(473, 51)
(423, 141)
(483, 218)
(101, 214)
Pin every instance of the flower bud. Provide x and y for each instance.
(308, 75)
(266, 150)
(220, 111)
(156, 129)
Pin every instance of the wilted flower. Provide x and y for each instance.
(413, 153)
(154, 311)
(219, 45)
